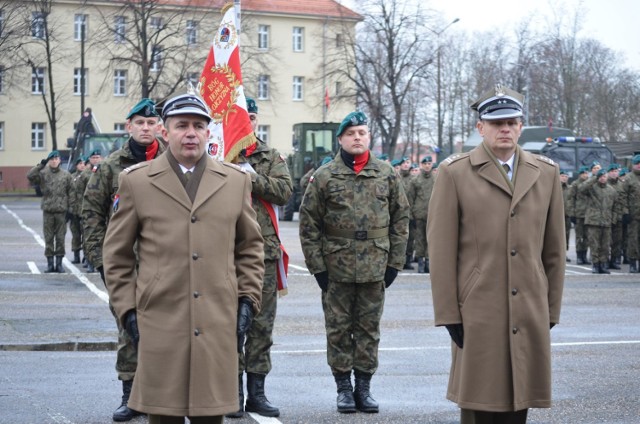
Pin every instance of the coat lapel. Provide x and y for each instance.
(213, 179)
(528, 173)
(488, 169)
(165, 179)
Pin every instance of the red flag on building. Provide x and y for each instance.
(221, 88)
(326, 98)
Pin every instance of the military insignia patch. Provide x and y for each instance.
(116, 203)
(311, 179)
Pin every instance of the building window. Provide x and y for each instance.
(37, 136)
(1, 79)
(338, 88)
(1, 135)
(298, 93)
(77, 81)
(192, 32)
(119, 127)
(263, 37)
(120, 82)
(38, 25)
(298, 39)
(119, 29)
(339, 40)
(263, 87)
(155, 22)
(80, 27)
(156, 59)
(263, 133)
(193, 78)
(37, 80)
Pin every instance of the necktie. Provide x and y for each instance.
(187, 175)
(506, 168)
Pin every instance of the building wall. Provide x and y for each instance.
(19, 108)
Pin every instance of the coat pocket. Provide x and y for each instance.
(468, 285)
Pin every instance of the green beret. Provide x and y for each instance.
(563, 172)
(601, 173)
(53, 154)
(383, 156)
(435, 165)
(396, 162)
(145, 108)
(414, 166)
(595, 163)
(613, 167)
(352, 120)
(404, 159)
(79, 160)
(623, 172)
(636, 159)
(252, 107)
(426, 159)
(583, 169)
(96, 152)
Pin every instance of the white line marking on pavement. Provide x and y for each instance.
(58, 418)
(263, 420)
(611, 342)
(33, 267)
(299, 268)
(75, 271)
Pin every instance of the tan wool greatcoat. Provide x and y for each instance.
(195, 262)
(497, 266)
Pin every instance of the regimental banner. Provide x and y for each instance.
(221, 88)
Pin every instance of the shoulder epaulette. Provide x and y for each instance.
(234, 166)
(136, 166)
(546, 160)
(455, 157)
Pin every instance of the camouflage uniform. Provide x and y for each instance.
(354, 227)
(598, 217)
(620, 209)
(633, 237)
(75, 225)
(580, 201)
(406, 177)
(271, 183)
(418, 194)
(96, 211)
(56, 185)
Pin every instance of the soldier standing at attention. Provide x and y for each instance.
(75, 224)
(579, 206)
(56, 185)
(142, 125)
(418, 195)
(271, 186)
(497, 247)
(407, 176)
(620, 209)
(353, 229)
(568, 213)
(95, 158)
(633, 229)
(598, 218)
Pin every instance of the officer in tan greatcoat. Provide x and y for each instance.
(497, 249)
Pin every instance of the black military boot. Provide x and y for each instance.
(240, 412)
(362, 395)
(124, 413)
(585, 258)
(50, 267)
(90, 267)
(595, 269)
(59, 267)
(346, 403)
(633, 267)
(613, 264)
(602, 269)
(420, 265)
(76, 257)
(256, 399)
(407, 263)
(426, 266)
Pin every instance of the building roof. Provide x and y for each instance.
(329, 8)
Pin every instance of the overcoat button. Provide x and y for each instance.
(194, 256)
(513, 213)
(513, 252)
(194, 219)
(514, 292)
(196, 294)
(515, 330)
(196, 332)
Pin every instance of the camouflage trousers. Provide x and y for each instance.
(567, 229)
(582, 239)
(257, 348)
(55, 229)
(76, 232)
(421, 244)
(616, 240)
(599, 242)
(633, 239)
(352, 314)
(410, 240)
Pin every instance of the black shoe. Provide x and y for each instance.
(362, 395)
(59, 267)
(76, 257)
(346, 404)
(613, 265)
(50, 267)
(602, 269)
(240, 412)
(595, 269)
(633, 267)
(256, 399)
(124, 413)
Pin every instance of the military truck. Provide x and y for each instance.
(530, 134)
(571, 153)
(312, 142)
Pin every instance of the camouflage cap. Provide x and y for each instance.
(499, 103)
(145, 108)
(352, 120)
(252, 107)
(53, 154)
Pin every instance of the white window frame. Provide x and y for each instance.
(119, 29)
(120, 127)
(262, 131)
(155, 59)
(156, 22)
(38, 141)
(1, 135)
(263, 37)
(76, 81)
(120, 82)
(298, 89)
(298, 39)
(37, 25)
(263, 87)
(37, 80)
(79, 21)
(192, 32)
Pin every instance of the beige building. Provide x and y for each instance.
(284, 49)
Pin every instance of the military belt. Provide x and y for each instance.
(357, 235)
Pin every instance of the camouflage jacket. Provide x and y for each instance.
(419, 193)
(566, 197)
(80, 182)
(632, 185)
(272, 183)
(56, 186)
(354, 226)
(578, 198)
(600, 200)
(98, 199)
(620, 205)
